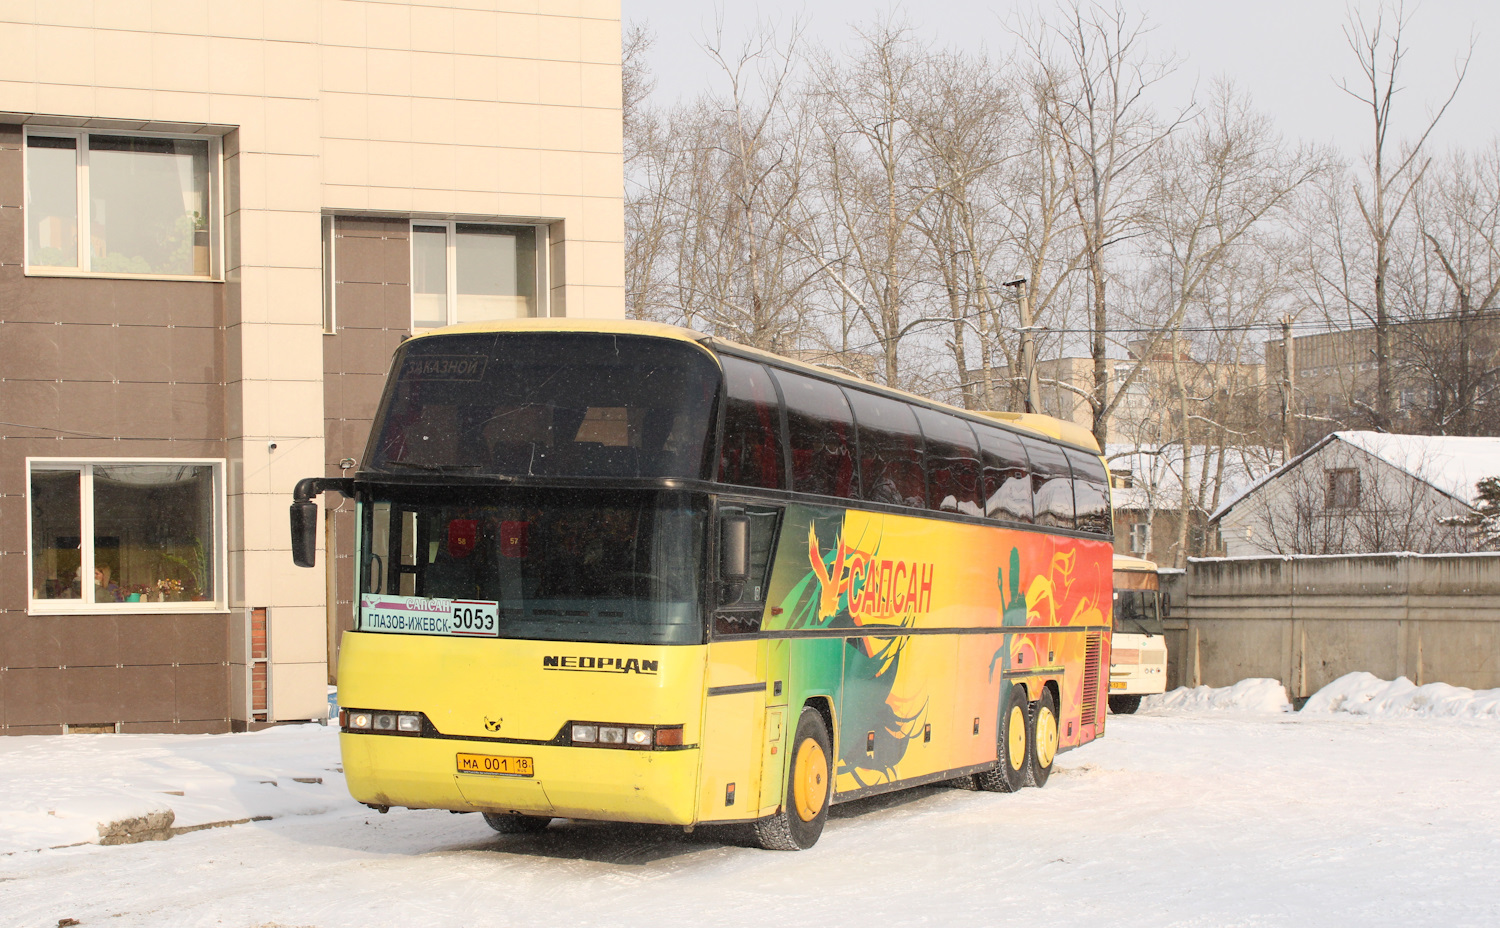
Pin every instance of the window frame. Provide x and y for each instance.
(80, 135)
(84, 466)
(541, 271)
(329, 246)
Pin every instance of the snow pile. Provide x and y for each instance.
(1257, 695)
(68, 789)
(1361, 693)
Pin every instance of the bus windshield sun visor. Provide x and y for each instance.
(547, 405)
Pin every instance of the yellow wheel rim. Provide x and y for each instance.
(1046, 736)
(1015, 730)
(810, 779)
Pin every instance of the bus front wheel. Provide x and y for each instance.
(1125, 703)
(511, 823)
(1043, 739)
(1010, 773)
(809, 788)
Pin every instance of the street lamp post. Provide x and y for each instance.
(1028, 346)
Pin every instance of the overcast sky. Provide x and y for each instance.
(1286, 53)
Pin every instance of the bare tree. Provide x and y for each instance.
(1386, 191)
(1098, 60)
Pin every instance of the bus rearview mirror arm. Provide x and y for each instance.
(304, 515)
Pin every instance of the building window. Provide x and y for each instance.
(131, 535)
(1343, 488)
(1140, 538)
(119, 204)
(474, 272)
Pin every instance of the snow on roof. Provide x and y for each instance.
(1452, 464)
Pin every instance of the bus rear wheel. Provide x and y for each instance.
(809, 787)
(1125, 703)
(1009, 774)
(512, 823)
(1043, 739)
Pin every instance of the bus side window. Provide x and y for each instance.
(751, 452)
(742, 613)
(1090, 492)
(890, 451)
(1051, 484)
(1007, 475)
(952, 462)
(820, 432)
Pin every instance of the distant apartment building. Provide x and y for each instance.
(217, 220)
(1150, 410)
(1445, 374)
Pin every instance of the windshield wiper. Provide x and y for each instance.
(432, 468)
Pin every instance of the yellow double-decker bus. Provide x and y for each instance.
(627, 572)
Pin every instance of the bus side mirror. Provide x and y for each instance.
(304, 533)
(734, 548)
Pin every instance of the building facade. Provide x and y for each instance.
(217, 220)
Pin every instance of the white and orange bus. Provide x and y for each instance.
(624, 571)
(1138, 651)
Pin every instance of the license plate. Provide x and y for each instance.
(495, 765)
(1117, 684)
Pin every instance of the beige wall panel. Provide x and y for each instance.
(292, 69)
(344, 69)
(298, 633)
(64, 56)
(299, 691)
(561, 83)
(179, 106)
(345, 163)
(237, 66)
(178, 62)
(603, 264)
(432, 75)
(389, 72)
(599, 40)
(517, 33)
(233, 20)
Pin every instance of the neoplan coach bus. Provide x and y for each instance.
(628, 572)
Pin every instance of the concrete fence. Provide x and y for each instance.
(1307, 621)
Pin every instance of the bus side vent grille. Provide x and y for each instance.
(1093, 645)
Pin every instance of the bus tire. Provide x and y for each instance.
(1010, 774)
(1042, 739)
(1125, 703)
(809, 787)
(512, 823)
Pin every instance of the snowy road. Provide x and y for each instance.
(1194, 820)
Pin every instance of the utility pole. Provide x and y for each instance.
(1028, 346)
(1288, 390)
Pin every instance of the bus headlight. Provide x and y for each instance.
(382, 721)
(638, 737)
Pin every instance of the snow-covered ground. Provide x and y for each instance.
(1240, 815)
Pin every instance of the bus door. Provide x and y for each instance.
(736, 723)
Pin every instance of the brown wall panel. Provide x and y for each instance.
(201, 692)
(12, 232)
(33, 696)
(27, 642)
(94, 695)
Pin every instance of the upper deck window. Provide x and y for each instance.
(890, 451)
(1051, 484)
(546, 405)
(1007, 477)
(751, 452)
(952, 462)
(820, 430)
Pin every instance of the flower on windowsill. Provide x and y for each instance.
(168, 589)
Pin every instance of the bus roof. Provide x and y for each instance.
(1126, 562)
(1068, 433)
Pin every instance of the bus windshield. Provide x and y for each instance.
(1137, 612)
(547, 405)
(562, 565)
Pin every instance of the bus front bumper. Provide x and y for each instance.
(604, 784)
